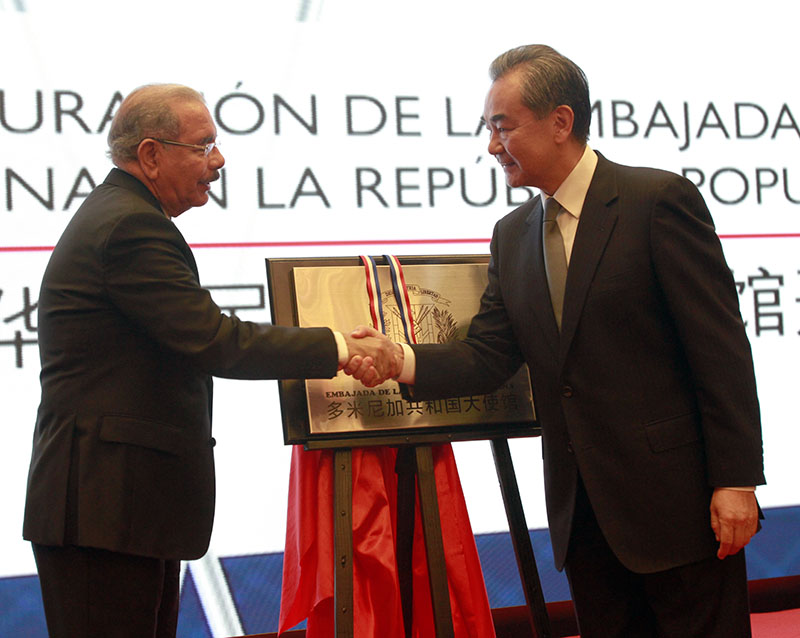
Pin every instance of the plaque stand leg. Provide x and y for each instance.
(406, 504)
(416, 461)
(412, 461)
(521, 540)
(343, 541)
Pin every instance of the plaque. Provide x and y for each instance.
(444, 294)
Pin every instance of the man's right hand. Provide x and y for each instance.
(373, 357)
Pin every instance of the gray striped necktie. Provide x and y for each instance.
(555, 257)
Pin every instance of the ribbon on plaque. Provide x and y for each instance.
(374, 293)
(400, 295)
(307, 589)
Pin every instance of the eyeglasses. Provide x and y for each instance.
(206, 148)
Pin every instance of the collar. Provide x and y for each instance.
(572, 192)
(124, 179)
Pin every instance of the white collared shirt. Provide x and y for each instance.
(571, 195)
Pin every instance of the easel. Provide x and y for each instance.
(416, 461)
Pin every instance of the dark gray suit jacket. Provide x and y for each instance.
(649, 390)
(122, 450)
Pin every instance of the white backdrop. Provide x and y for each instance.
(349, 128)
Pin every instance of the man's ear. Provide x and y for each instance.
(149, 153)
(563, 119)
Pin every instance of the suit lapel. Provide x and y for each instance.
(597, 222)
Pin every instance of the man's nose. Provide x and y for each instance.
(216, 159)
(495, 147)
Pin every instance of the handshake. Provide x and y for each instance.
(373, 357)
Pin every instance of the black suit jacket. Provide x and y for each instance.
(648, 391)
(122, 450)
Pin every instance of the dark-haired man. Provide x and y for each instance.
(621, 303)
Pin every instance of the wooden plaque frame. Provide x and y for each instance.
(293, 393)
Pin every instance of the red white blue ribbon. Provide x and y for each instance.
(374, 293)
(401, 296)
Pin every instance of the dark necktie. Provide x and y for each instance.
(555, 258)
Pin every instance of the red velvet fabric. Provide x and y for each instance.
(308, 585)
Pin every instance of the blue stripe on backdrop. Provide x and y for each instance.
(256, 588)
(191, 619)
(255, 581)
(499, 566)
(775, 551)
(21, 612)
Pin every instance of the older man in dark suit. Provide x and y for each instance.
(612, 286)
(121, 483)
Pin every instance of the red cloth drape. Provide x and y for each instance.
(308, 586)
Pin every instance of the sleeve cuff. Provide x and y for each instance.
(409, 372)
(341, 348)
(750, 488)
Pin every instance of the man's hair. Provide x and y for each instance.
(548, 80)
(146, 112)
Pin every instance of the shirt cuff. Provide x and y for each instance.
(341, 348)
(409, 372)
(750, 488)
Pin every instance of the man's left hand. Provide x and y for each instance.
(734, 519)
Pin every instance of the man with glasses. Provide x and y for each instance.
(121, 483)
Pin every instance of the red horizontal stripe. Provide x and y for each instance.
(353, 242)
(24, 249)
(368, 242)
(761, 236)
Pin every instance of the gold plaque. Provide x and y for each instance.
(444, 297)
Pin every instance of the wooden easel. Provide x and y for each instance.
(416, 461)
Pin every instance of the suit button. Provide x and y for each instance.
(212, 441)
(566, 392)
(569, 447)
